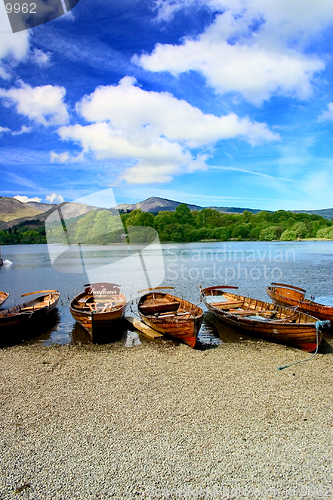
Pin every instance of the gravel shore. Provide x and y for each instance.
(161, 420)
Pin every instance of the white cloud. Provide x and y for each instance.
(4, 130)
(54, 198)
(65, 157)
(233, 57)
(126, 125)
(42, 104)
(12, 45)
(132, 109)
(25, 199)
(41, 58)
(24, 130)
(327, 115)
(281, 20)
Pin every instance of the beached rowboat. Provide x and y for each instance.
(3, 297)
(30, 312)
(263, 319)
(171, 316)
(292, 296)
(100, 305)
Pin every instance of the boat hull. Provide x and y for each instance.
(183, 323)
(29, 312)
(99, 307)
(287, 295)
(265, 320)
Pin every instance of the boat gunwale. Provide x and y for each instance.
(308, 306)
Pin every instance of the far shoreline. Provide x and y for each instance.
(233, 240)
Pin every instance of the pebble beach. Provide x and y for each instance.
(165, 421)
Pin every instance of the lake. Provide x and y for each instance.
(249, 265)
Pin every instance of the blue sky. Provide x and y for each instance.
(211, 102)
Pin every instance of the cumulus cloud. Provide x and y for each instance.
(54, 198)
(125, 124)
(4, 130)
(42, 104)
(327, 115)
(25, 199)
(253, 47)
(281, 20)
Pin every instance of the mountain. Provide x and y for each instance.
(10, 208)
(72, 210)
(155, 205)
(41, 207)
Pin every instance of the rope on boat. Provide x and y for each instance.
(320, 325)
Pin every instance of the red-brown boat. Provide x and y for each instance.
(171, 316)
(30, 312)
(100, 305)
(263, 319)
(3, 297)
(288, 295)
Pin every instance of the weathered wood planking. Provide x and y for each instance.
(146, 330)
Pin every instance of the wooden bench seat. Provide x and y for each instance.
(228, 305)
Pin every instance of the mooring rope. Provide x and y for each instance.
(320, 325)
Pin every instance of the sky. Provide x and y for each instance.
(209, 102)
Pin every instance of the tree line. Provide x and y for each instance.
(182, 225)
(208, 224)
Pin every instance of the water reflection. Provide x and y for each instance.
(132, 339)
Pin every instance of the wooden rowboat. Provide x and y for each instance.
(30, 312)
(171, 316)
(3, 297)
(100, 305)
(288, 295)
(263, 319)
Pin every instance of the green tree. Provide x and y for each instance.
(209, 218)
(139, 218)
(300, 229)
(164, 219)
(270, 233)
(325, 232)
(221, 234)
(241, 231)
(183, 215)
(288, 235)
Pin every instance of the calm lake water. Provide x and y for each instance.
(249, 265)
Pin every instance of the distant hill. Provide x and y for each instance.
(155, 205)
(236, 210)
(327, 213)
(10, 208)
(72, 210)
(14, 212)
